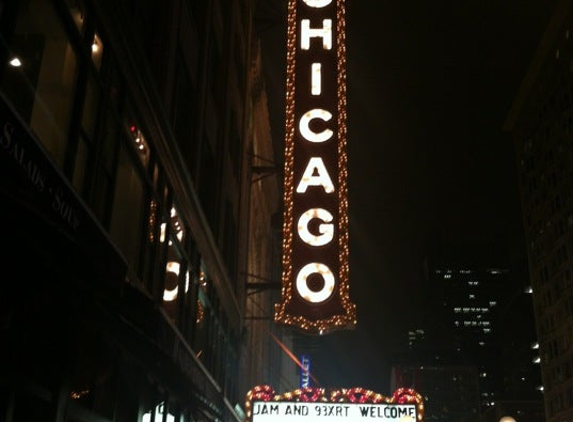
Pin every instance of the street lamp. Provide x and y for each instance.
(507, 419)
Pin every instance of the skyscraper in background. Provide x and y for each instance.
(541, 124)
(467, 295)
(476, 333)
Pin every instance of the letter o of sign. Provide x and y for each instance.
(317, 3)
(302, 286)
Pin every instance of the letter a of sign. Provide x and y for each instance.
(315, 295)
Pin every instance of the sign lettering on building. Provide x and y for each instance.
(341, 405)
(315, 296)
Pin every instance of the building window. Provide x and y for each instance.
(126, 221)
(40, 82)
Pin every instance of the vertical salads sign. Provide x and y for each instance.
(315, 292)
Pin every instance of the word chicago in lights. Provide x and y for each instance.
(315, 228)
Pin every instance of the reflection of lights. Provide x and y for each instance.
(151, 222)
(173, 268)
(176, 223)
(75, 395)
(96, 45)
(536, 359)
(15, 62)
(535, 346)
(140, 142)
(159, 413)
(200, 313)
(97, 51)
(177, 226)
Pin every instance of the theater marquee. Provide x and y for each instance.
(341, 405)
(315, 293)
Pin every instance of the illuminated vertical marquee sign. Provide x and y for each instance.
(315, 293)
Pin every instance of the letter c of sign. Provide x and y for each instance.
(305, 130)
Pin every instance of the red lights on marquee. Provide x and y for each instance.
(409, 400)
(315, 293)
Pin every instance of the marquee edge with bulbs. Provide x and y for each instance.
(402, 397)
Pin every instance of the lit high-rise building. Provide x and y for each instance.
(469, 296)
(477, 319)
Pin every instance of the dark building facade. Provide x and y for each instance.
(540, 122)
(451, 392)
(127, 133)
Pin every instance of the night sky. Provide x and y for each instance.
(429, 86)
